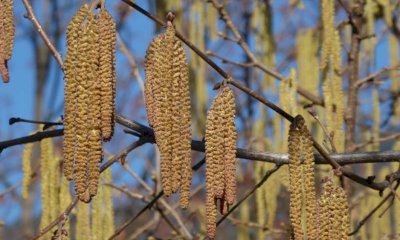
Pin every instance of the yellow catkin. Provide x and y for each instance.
(70, 88)
(81, 119)
(185, 126)
(211, 212)
(3, 66)
(97, 216)
(151, 76)
(229, 145)
(108, 206)
(295, 186)
(9, 27)
(46, 154)
(214, 152)
(82, 229)
(107, 45)
(328, 24)
(333, 95)
(7, 33)
(212, 22)
(334, 219)
(168, 106)
(102, 211)
(54, 187)
(64, 200)
(164, 106)
(220, 143)
(308, 180)
(175, 96)
(26, 169)
(94, 107)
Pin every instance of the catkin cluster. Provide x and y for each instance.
(89, 97)
(7, 33)
(302, 209)
(334, 219)
(220, 142)
(168, 107)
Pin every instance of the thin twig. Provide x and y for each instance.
(372, 76)
(31, 16)
(365, 219)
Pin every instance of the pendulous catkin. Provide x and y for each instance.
(220, 143)
(95, 100)
(302, 185)
(168, 107)
(89, 105)
(107, 44)
(334, 219)
(26, 169)
(7, 33)
(70, 94)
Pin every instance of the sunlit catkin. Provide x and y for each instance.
(46, 155)
(94, 107)
(168, 107)
(26, 169)
(81, 119)
(220, 144)
(7, 33)
(107, 77)
(151, 76)
(295, 186)
(230, 146)
(214, 140)
(185, 116)
(308, 180)
(82, 230)
(328, 25)
(70, 89)
(334, 219)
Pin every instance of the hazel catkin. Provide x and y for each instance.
(81, 119)
(107, 44)
(7, 33)
(168, 107)
(334, 220)
(295, 187)
(94, 92)
(220, 143)
(70, 89)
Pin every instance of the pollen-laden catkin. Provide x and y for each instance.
(168, 106)
(295, 187)
(214, 142)
(333, 213)
(177, 157)
(107, 44)
(7, 33)
(9, 27)
(46, 154)
(26, 169)
(185, 150)
(220, 144)
(229, 145)
(70, 89)
(163, 98)
(308, 179)
(81, 119)
(151, 75)
(211, 212)
(95, 138)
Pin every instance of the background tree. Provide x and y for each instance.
(334, 62)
